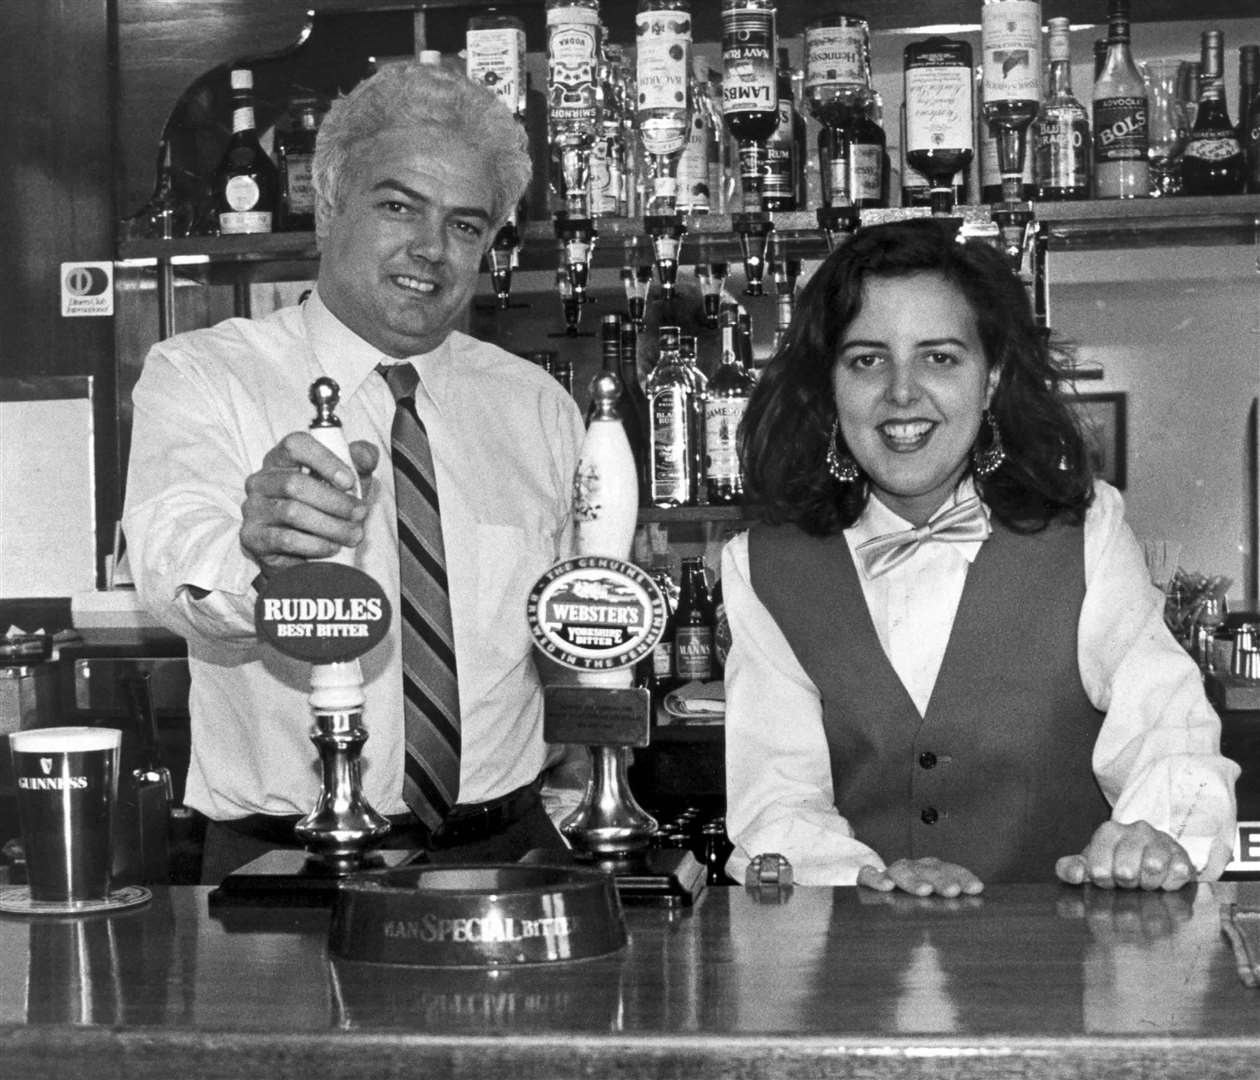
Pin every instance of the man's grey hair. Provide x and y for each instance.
(441, 105)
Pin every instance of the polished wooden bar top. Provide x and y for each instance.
(1028, 981)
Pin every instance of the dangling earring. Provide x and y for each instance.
(842, 468)
(987, 461)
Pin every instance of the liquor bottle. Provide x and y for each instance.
(837, 92)
(1249, 119)
(296, 152)
(634, 406)
(699, 386)
(1010, 42)
(939, 137)
(1212, 163)
(606, 177)
(694, 624)
(780, 179)
(699, 167)
(659, 675)
(750, 92)
(573, 50)
(495, 48)
(1061, 146)
(662, 68)
(1248, 87)
(668, 393)
(724, 408)
(245, 184)
(1121, 168)
(853, 160)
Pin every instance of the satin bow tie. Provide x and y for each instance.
(966, 521)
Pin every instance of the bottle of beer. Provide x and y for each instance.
(296, 151)
(729, 391)
(694, 624)
(245, 183)
(1212, 163)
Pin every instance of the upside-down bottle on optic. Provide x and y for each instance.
(246, 183)
(670, 441)
(1121, 168)
(750, 94)
(939, 137)
(1010, 45)
(699, 167)
(1061, 144)
(780, 178)
(1212, 163)
(662, 70)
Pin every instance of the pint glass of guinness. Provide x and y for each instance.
(67, 782)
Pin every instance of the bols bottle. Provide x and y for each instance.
(1061, 146)
(1212, 163)
(1121, 167)
(694, 624)
(662, 68)
(246, 183)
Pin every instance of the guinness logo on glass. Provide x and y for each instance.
(45, 763)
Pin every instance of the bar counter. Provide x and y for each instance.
(1028, 981)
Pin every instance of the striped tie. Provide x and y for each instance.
(430, 689)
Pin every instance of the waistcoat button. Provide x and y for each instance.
(927, 760)
(929, 815)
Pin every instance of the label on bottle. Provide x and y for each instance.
(866, 172)
(721, 423)
(1011, 48)
(600, 188)
(299, 186)
(242, 118)
(1120, 127)
(662, 59)
(234, 223)
(663, 660)
(938, 108)
(836, 60)
(241, 193)
(671, 473)
(750, 80)
(1213, 146)
(1061, 154)
(572, 54)
(777, 178)
(693, 650)
(496, 58)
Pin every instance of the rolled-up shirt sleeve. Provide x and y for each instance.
(779, 794)
(1157, 757)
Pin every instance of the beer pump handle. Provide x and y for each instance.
(325, 395)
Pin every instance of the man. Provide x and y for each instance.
(415, 170)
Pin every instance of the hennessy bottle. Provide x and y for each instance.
(245, 184)
(1212, 163)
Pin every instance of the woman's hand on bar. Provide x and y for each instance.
(922, 877)
(1128, 856)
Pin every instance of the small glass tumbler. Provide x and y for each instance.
(1168, 128)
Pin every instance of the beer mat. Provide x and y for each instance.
(16, 900)
(698, 702)
(1241, 925)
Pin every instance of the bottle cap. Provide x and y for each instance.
(242, 79)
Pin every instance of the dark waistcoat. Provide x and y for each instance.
(997, 776)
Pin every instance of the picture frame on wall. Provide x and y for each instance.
(1104, 420)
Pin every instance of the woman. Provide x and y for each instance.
(997, 700)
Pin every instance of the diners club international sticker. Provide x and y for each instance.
(594, 613)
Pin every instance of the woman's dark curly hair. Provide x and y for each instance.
(784, 434)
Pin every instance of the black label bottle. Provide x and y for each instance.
(634, 406)
(940, 136)
(780, 179)
(1212, 163)
(1121, 167)
(296, 153)
(694, 624)
(724, 408)
(670, 444)
(246, 183)
(1061, 144)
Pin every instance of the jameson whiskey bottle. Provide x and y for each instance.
(750, 90)
(670, 430)
(1061, 146)
(1121, 169)
(296, 153)
(939, 140)
(1212, 163)
(724, 408)
(245, 184)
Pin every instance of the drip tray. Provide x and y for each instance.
(477, 915)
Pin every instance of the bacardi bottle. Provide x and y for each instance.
(246, 183)
(662, 68)
(1061, 143)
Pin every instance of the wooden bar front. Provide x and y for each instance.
(1024, 981)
